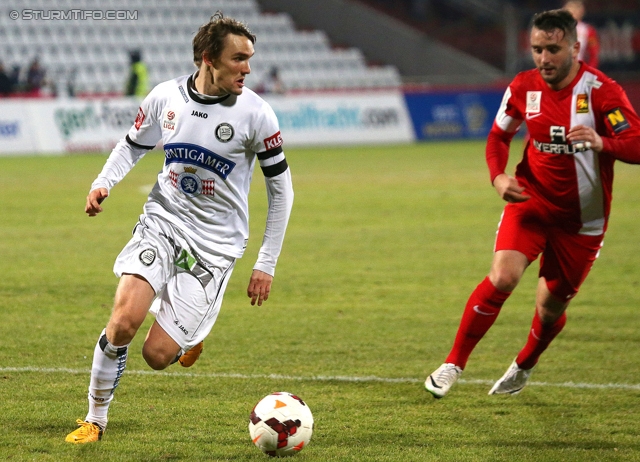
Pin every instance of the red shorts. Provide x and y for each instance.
(566, 257)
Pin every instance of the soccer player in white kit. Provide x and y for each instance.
(195, 222)
(579, 123)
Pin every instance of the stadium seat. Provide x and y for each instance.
(163, 31)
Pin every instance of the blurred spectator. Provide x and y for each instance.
(6, 85)
(71, 83)
(272, 83)
(138, 81)
(15, 78)
(587, 35)
(36, 78)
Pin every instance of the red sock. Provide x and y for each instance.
(540, 337)
(480, 313)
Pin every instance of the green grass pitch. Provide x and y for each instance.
(384, 246)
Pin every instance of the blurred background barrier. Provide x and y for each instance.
(441, 115)
(55, 126)
(352, 118)
(59, 125)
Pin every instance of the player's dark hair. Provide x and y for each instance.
(550, 20)
(210, 37)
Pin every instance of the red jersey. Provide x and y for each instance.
(575, 187)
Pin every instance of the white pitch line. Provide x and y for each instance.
(598, 386)
(317, 378)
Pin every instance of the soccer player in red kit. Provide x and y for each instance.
(587, 34)
(579, 122)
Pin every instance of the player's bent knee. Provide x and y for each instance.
(157, 360)
(156, 366)
(550, 314)
(549, 318)
(125, 329)
(505, 281)
(121, 331)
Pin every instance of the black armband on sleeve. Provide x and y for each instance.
(270, 153)
(275, 169)
(136, 145)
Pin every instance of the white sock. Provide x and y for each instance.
(108, 365)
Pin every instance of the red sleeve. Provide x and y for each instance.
(621, 126)
(624, 149)
(497, 150)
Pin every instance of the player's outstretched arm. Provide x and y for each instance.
(508, 188)
(280, 198)
(94, 199)
(259, 287)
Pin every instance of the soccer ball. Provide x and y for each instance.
(281, 424)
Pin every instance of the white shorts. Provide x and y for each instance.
(189, 285)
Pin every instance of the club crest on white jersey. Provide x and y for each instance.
(189, 183)
(224, 132)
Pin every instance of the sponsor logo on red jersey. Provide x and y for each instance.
(139, 119)
(533, 101)
(582, 103)
(273, 141)
(617, 120)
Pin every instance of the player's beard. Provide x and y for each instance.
(562, 72)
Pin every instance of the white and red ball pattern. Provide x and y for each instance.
(281, 424)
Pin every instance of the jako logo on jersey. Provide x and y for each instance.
(617, 120)
(202, 115)
(582, 103)
(224, 132)
(181, 327)
(186, 153)
(139, 119)
(273, 141)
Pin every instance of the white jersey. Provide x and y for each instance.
(210, 147)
